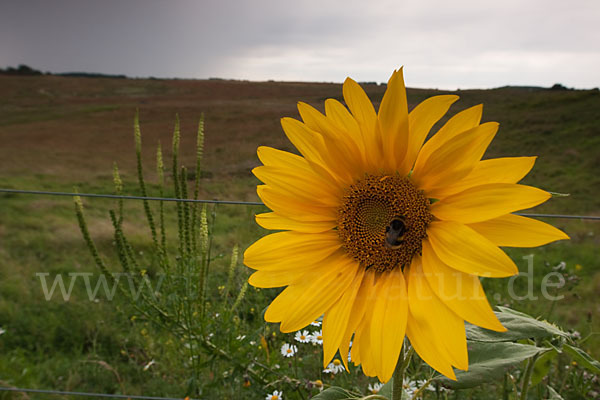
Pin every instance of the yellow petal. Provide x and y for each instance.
(316, 121)
(345, 122)
(313, 147)
(362, 109)
(281, 277)
(431, 332)
(393, 121)
(447, 329)
(359, 104)
(420, 121)
(335, 321)
(279, 223)
(367, 358)
(279, 158)
(289, 250)
(357, 343)
(461, 122)
(388, 322)
(291, 207)
(342, 128)
(301, 303)
(283, 159)
(461, 292)
(456, 159)
(488, 201)
(461, 248)
(308, 142)
(517, 231)
(496, 170)
(304, 185)
(363, 298)
(416, 332)
(342, 153)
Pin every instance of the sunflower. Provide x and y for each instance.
(386, 234)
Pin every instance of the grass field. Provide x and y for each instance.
(57, 133)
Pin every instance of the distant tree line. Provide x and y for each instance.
(22, 69)
(25, 70)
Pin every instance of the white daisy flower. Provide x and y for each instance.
(334, 367)
(276, 395)
(317, 337)
(410, 387)
(375, 388)
(319, 384)
(422, 382)
(431, 387)
(302, 336)
(288, 350)
(316, 323)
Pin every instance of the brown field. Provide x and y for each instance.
(73, 129)
(70, 130)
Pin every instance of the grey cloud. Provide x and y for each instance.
(460, 43)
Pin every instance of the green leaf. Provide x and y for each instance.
(583, 358)
(489, 361)
(386, 390)
(334, 393)
(519, 326)
(542, 366)
(553, 394)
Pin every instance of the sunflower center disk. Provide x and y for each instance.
(382, 221)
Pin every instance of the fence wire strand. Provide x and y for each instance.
(87, 394)
(234, 202)
(124, 197)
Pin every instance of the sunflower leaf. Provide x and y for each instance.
(583, 358)
(553, 394)
(542, 366)
(489, 361)
(519, 326)
(386, 391)
(334, 393)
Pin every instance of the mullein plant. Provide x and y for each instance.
(216, 332)
(172, 289)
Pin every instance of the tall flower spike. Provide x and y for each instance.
(385, 234)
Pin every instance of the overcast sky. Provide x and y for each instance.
(444, 44)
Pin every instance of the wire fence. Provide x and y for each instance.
(234, 202)
(87, 394)
(169, 199)
(115, 196)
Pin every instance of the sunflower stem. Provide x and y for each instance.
(398, 378)
(527, 377)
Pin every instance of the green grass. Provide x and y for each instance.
(95, 346)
